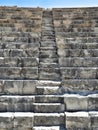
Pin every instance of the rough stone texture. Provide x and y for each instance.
(75, 121)
(48, 66)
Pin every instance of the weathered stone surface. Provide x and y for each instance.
(29, 73)
(75, 102)
(78, 120)
(29, 87)
(13, 87)
(48, 119)
(80, 86)
(48, 107)
(94, 120)
(93, 102)
(79, 73)
(78, 53)
(78, 62)
(49, 99)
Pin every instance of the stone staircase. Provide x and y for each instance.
(48, 69)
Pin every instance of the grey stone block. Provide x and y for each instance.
(29, 73)
(13, 87)
(48, 107)
(48, 119)
(78, 120)
(79, 86)
(29, 87)
(75, 102)
(79, 73)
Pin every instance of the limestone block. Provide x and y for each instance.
(49, 99)
(47, 90)
(48, 60)
(30, 62)
(48, 54)
(10, 62)
(74, 102)
(48, 107)
(32, 52)
(77, 53)
(1, 53)
(77, 121)
(94, 120)
(80, 73)
(13, 87)
(10, 73)
(1, 61)
(22, 120)
(29, 87)
(29, 73)
(79, 86)
(6, 121)
(52, 119)
(93, 102)
(78, 62)
(17, 53)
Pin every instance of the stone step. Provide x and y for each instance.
(78, 34)
(48, 107)
(75, 45)
(78, 62)
(45, 48)
(48, 54)
(17, 103)
(18, 73)
(49, 99)
(16, 45)
(79, 73)
(42, 90)
(48, 60)
(48, 44)
(49, 128)
(76, 102)
(78, 52)
(80, 86)
(19, 34)
(46, 33)
(48, 65)
(19, 52)
(16, 120)
(79, 39)
(18, 39)
(47, 119)
(19, 62)
(18, 87)
(49, 74)
(82, 120)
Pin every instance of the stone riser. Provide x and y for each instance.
(19, 73)
(79, 86)
(18, 62)
(77, 52)
(73, 45)
(79, 73)
(19, 45)
(78, 62)
(19, 52)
